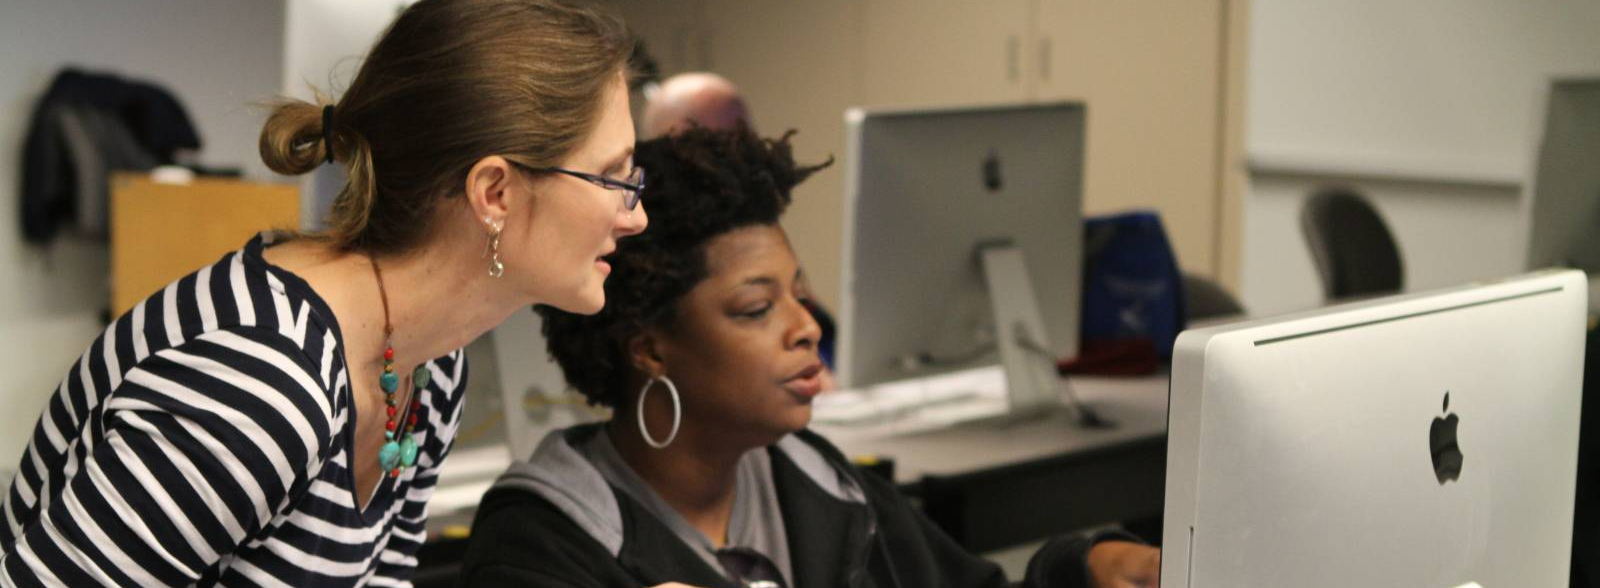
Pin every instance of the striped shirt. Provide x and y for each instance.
(204, 439)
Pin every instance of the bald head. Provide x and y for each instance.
(706, 99)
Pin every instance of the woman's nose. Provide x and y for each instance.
(633, 221)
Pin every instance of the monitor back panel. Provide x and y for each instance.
(1301, 450)
(924, 188)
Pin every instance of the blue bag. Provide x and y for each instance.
(1132, 288)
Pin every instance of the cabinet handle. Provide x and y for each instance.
(1013, 47)
(1044, 58)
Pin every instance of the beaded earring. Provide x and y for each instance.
(491, 249)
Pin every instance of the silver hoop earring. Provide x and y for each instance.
(677, 412)
(492, 250)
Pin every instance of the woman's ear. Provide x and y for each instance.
(644, 352)
(488, 189)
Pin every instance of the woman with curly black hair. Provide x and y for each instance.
(706, 474)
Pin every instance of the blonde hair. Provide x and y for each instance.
(450, 82)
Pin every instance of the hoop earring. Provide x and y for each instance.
(677, 412)
(492, 250)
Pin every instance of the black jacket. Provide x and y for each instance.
(85, 126)
(520, 538)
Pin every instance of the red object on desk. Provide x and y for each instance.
(1120, 357)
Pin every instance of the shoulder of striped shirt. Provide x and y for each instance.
(298, 365)
(454, 366)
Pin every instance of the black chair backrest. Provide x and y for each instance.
(1205, 299)
(1352, 247)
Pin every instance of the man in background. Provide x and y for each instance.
(701, 98)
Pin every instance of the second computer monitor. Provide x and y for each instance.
(928, 193)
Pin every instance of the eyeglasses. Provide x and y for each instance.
(630, 187)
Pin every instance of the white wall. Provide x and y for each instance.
(217, 57)
(1442, 91)
(323, 44)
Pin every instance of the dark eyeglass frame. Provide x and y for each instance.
(631, 188)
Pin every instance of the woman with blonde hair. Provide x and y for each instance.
(279, 418)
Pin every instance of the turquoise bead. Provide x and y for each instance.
(389, 455)
(419, 378)
(388, 435)
(389, 381)
(408, 452)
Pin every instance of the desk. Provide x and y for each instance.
(997, 485)
(990, 485)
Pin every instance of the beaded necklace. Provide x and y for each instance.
(396, 456)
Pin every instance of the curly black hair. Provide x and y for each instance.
(700, 184)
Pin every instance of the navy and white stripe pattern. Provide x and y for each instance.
(204, 440)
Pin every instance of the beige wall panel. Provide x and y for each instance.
(1232, 165)
(943, 53)
(672, 30)
(796, 63)
(1149, 71)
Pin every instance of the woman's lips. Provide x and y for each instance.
(806, 384)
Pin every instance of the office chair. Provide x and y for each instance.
(1205, 299)
(1354, 252)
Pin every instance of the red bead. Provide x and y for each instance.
(388, 353)
(394, 473)
(389, 425)
(391, 411)
(416, 405)
(413, 420)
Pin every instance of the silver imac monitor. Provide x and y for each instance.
(1562, 203)
(1426, 441)
(962, 244)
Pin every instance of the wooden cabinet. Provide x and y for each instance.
(944, 53)
(673, 31)
(1161, 79)
(161, 232)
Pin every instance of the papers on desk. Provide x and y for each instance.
(917, 404)
(466, 475)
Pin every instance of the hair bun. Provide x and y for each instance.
(292, 138)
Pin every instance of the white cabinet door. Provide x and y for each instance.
(1150, 72)
(944, 52)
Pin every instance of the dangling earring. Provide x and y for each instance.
(677, 412)
(492, 249)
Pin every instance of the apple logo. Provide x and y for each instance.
(1442, 443)
(991, 171)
